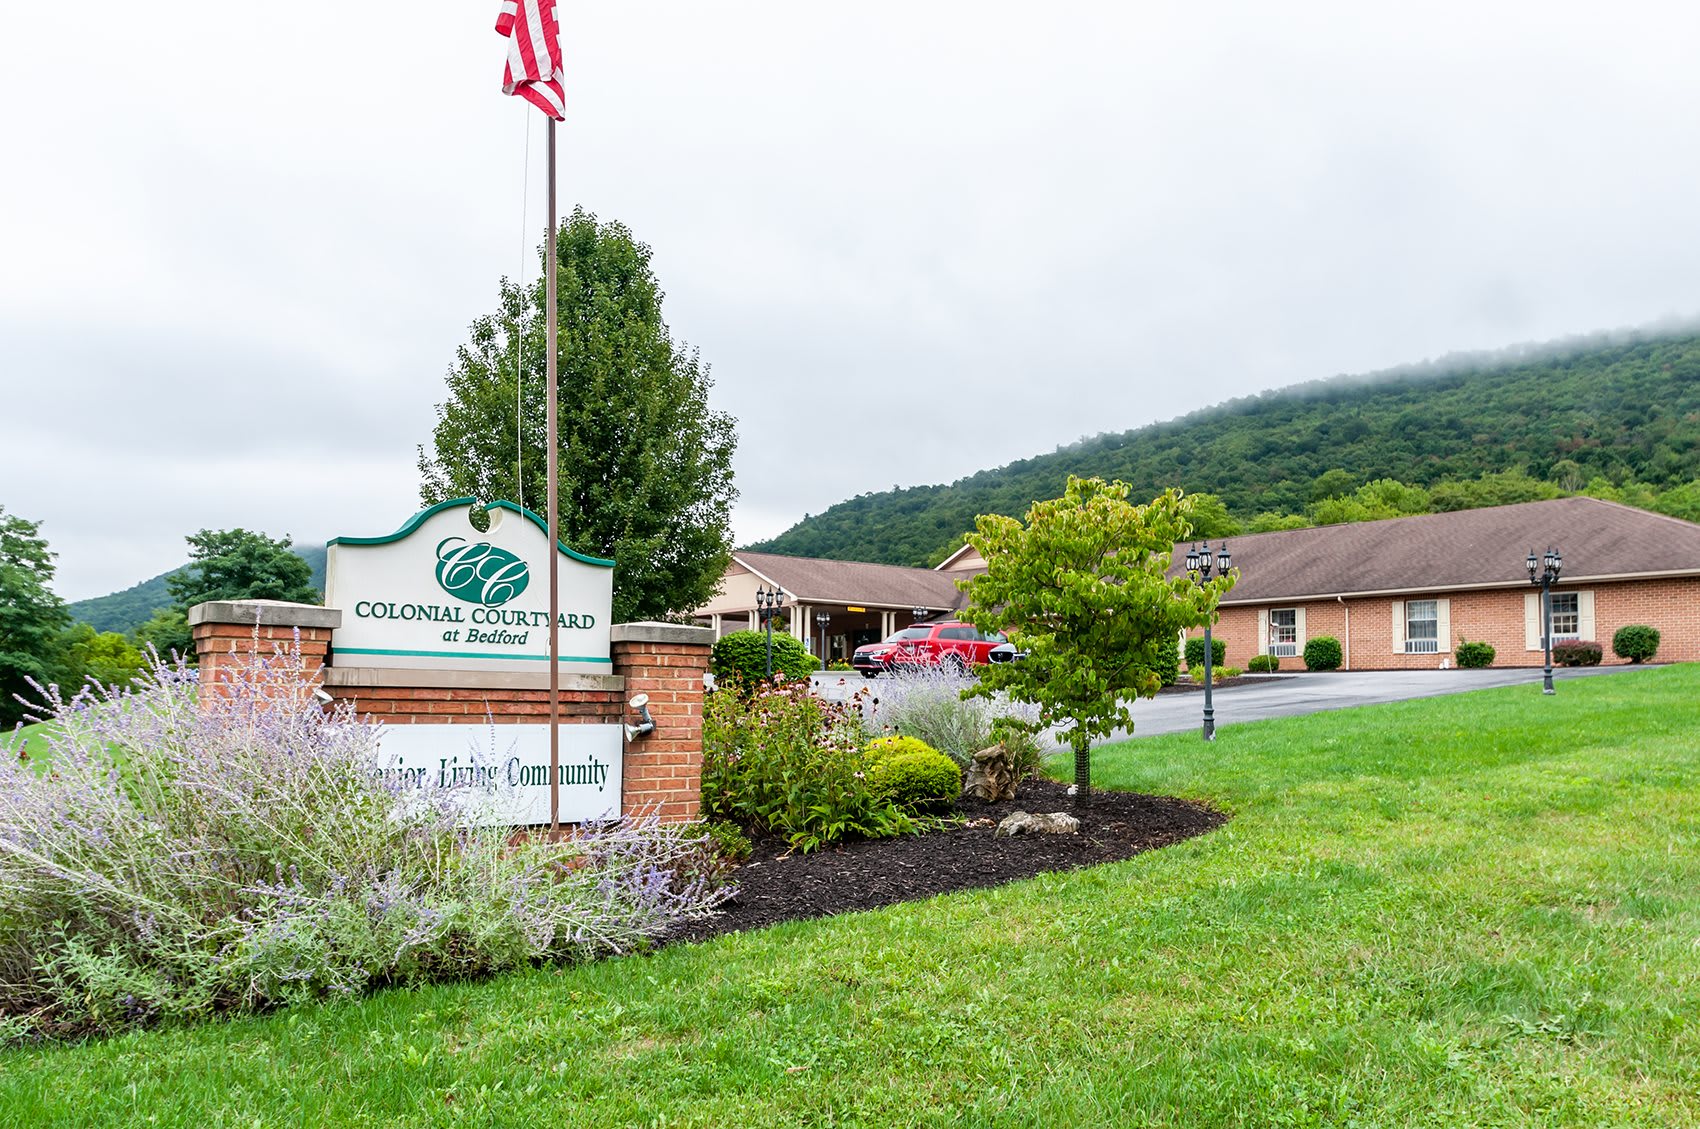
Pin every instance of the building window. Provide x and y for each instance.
(1422, 627)
(1566, 615)
(1284, 632)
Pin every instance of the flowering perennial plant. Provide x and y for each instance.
(164, 857)
(782, 760)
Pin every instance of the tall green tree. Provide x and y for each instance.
(645, 464)
(236, 564)
(32, 616)
(1081, 585)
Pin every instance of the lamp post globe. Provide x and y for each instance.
(1545, 572)
(768, 601)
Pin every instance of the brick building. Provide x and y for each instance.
(1403, 593)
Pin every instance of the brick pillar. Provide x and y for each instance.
(663, 770)
(231, 634)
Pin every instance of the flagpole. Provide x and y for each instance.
(550, 445)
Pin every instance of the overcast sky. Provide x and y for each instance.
(240, 243)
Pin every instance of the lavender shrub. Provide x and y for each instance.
(161, 857)
(927, 704)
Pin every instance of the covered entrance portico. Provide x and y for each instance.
(863, 603)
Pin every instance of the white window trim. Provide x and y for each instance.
(1285, 650)
(1586, 628)
(1441, 643)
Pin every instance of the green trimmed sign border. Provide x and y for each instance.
(419, 519)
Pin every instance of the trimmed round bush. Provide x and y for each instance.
(1264, 664)
(914, 781)
(882, 749)
(742, 656)
(1636, 642)
(1580, 652)
(1322, 653)
(1474, 656)
(1195, 653)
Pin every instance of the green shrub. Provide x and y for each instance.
(1195, 653)
(918, 781)
(1474, 656)
(728, 840)
(1168, 664)
(1322, 653)
(1264, 664)
(1636, 642)
(742, 657)
(1577, 652)
(1025, 752)
(1221, 672)
(882, 749)
(781, 760)
(839, 665)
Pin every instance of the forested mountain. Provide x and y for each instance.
(1618, 415)
(125, 611)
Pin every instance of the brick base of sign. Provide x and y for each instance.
(662, 771)
(230, 635)
(667, 662)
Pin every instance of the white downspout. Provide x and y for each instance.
(1348, 648)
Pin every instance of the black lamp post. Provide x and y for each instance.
(1198, 565)
(917, 614)
(821, 620)
(1544, 571)
(768, 602)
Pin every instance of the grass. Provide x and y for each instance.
(1475, 910)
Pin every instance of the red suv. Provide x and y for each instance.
(952, 646)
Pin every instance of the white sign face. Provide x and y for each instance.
(502, 771)
(440, 595)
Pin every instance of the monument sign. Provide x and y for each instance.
(439, 594)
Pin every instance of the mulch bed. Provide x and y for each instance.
(777, 885)
(1188, 687)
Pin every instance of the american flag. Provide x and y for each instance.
(534, 54)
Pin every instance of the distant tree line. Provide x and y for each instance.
(40, 642)
(1612, 419)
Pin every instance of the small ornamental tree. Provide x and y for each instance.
(1082, 586)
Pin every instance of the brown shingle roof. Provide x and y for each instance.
(855, 582)
(1465, 549)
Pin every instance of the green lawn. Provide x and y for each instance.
(1474, 910)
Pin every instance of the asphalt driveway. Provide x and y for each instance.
(1286, 695)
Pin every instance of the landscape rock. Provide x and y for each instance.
(991, 776)
(1056, 823)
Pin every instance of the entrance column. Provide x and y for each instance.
(888, 624)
